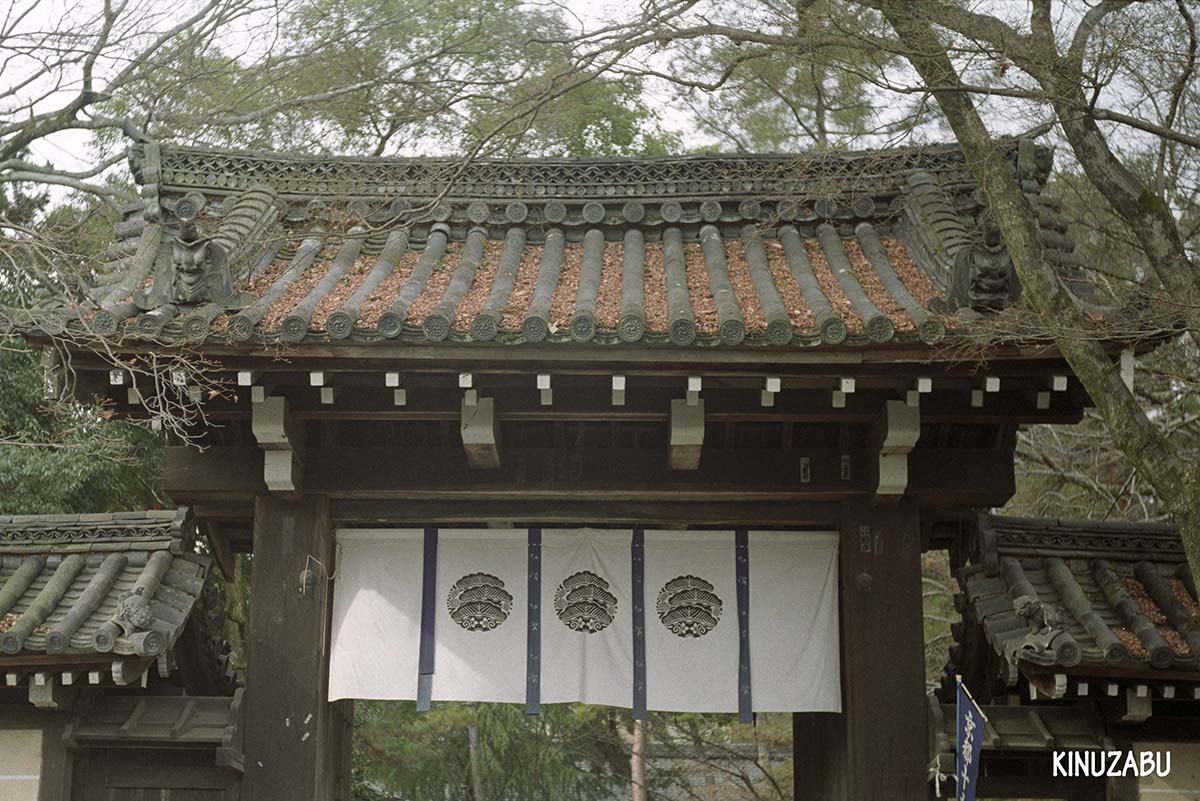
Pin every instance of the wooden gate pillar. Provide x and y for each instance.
(297, 745)
(877, 749)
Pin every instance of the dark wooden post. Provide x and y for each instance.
(877, 749)
(297, 743)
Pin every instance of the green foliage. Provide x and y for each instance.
(567, 753)
(66, 457)
(570, 752)
(383, 77)
(60, 457)
(765, 98)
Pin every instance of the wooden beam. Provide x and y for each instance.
(946, 477)
(663, 512)
(296, 745)
(471, 356)
(877, 747)
(588, 397)
(222, 550)
(480, 433)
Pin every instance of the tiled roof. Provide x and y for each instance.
(1020, 728)
(120, 585)
(1077, 597)
(857, 248)
(147, 721)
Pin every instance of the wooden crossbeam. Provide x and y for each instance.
(942, 476)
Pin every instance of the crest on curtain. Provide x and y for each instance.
(689, 621)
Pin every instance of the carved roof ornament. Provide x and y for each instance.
(205, 269)
(984, 278)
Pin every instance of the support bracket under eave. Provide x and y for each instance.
(899, 428)
(281, 438)
(480, 433)
(687, 434)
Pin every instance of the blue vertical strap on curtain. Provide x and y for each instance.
(638, 555)
(742, 555)
(533, 660)
(428, 616)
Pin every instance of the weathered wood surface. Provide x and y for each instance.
(612, 474)
(365, 398)
(294, 741)
(878, 747)
(662, 512)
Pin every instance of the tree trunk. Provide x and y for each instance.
(1146, 447)
(637, 761)
(473, 758)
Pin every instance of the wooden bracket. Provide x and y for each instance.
(130, 671)
(618, 390)
(1133, 705)
(281, 438)
(898, 431)
(480, 432)
(687, 434)
(48, 693)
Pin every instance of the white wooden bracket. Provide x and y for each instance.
(282, 441)
(618, 390)
(900, 427)
(687, 434)
(480, 432)
(771, 387)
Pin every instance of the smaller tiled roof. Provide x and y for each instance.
(104, 585)
(1020, 728)
(1015, 731)
(1082, 597)
(145, 721)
